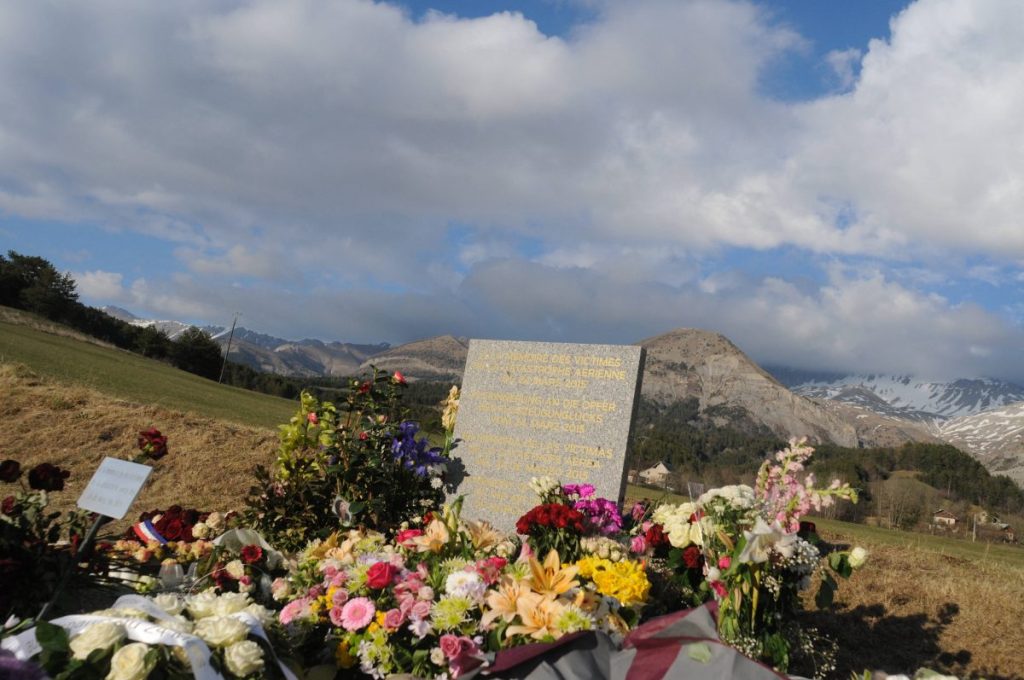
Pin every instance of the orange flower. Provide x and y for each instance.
(503, 602)
(550, 578)
(538, 615)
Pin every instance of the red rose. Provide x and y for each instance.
(656, 536)
(171, 529)
(8, 507)
(398, 378)
(251, 554)
(152, 443)
(365, 387)
(692, 557)
(402, 536)
(10, 470)
(380, 575)
(47, 477)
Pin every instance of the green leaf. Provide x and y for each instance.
(357, 507)
(52, 638)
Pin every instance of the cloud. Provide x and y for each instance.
(363, 174)
(844, 65)
(100, 285)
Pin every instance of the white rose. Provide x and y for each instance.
(437, 657)
(235, 569)
(215, 521)
(221, 631)
(179, 624)
(858, 556)
(101, 635)
(129, 663)
(230, 603)
(244, 658)
(261, 614)
(201, 530)
(202, 605)
(170, 603)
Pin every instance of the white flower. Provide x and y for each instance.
(102, 635)
(202, 605)
(280, 589)
(179, 624)
(170, 603)
(221, 631)
(765, 538)
(465, 584)
(244, 658)
(129, 663)
(235, 569)
(215, 521)
(858, 556)
(201, 530)
(261, 614)
(231, 603)
(436, 483)
(437, 657)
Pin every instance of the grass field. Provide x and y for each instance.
(128, 376)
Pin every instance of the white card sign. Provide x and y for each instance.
(113, 487)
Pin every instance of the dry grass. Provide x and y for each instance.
(210, 461)
(912, 607)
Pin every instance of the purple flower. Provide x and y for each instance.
(601, 514)
(11, 667)
(412, 454)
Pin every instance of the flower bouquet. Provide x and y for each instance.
(441, 599)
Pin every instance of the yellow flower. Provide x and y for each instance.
(626, 581)
(343, 655)
(538, 615)
(379, 618)
(550, 578)
(451, 409)
(502, 602)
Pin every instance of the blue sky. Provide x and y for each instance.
(831, 185)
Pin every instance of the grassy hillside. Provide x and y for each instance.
(71, 359)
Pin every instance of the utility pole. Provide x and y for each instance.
(224, 364)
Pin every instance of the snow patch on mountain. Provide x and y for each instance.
(905, 396)
(995, 437)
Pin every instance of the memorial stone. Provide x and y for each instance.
(534, 409)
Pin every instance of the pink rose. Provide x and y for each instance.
(339, 598)
(420, 610)
(639, 544)
(719, 588)
(394, 619)
(406, 535)
(724, 562)
(335, 616)
(451, 645)
(313, 419)
(357, 614)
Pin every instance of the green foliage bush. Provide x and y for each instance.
(355, 464)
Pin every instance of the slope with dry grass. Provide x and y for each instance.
(45, 420)
(912, 607)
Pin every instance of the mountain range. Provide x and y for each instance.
(984, 417)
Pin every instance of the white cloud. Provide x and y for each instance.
(100, 285)
(336, 144)
(844, 65)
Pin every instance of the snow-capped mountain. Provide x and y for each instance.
(905, 397)
(995, 437)
(267, 353)
(171, 328)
